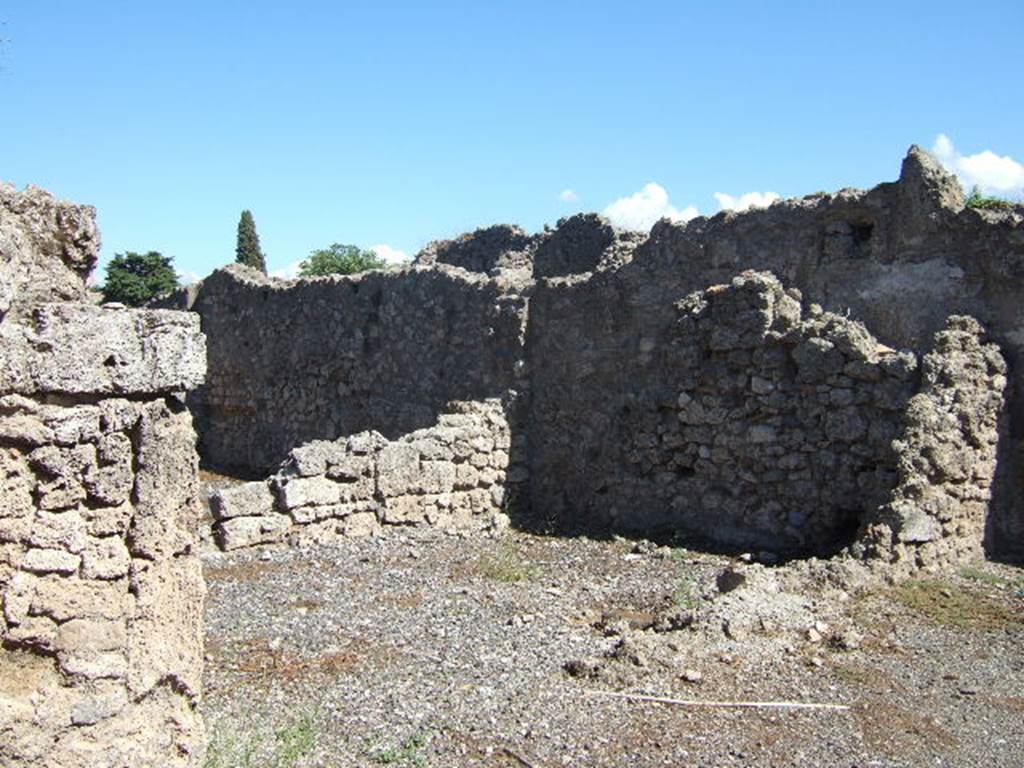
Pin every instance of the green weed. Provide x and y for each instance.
(406, 753)
(507, 564)
(977, 200)
(288, 746)
(949, 605)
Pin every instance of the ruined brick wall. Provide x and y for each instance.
(47, 247)
(101, 594)
(455, 475)
(316, 359)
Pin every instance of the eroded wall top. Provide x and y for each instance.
(48, 247)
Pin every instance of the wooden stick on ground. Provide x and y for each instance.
(518, 758)
(719, 704)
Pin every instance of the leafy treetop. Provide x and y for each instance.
(248, 251)
(340, 259)
(135, 278)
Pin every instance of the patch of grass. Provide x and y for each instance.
(293, 742)
(949, 605)
(685, 593)
(405, 753)
(985, 202)
(862, 676)
(507, 564)
(896, 730)
(290, 743)
(977, 574)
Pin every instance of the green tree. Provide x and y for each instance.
(247, 251)
(340, 259)
(135, 278)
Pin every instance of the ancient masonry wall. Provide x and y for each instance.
(455, 475)
(101, 594)
(296, 362)
(747, 425)
(596, 362)
(945, 455)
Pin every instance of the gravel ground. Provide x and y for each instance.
(420, 649)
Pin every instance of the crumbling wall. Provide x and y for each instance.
(946, 455)
(581, 243)
(292, 362)
(745, 423)
(455, 475)
(502, 246)
(901, 257)
(582, 316)
(47, 247)
(101, 625)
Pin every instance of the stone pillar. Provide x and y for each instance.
(100, 587)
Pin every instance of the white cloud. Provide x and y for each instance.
(641, 210)
(289, 272)
(187, 277)
(568, 196)
(992, 173)
(389, 254)
(746, 200)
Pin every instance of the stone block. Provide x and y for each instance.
(435, 477)
(398, 465)
(360, 524)
(63, 599)
(50, 561)
(83, 349)
(400, 510)
(241, 532)
(106, 559)
(245, 500)
(306, 491)
(349, 466)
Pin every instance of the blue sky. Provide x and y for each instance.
(397, 123)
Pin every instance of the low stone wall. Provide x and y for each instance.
(101, 593)
(455, 475)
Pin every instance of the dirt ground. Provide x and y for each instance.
(421, 649)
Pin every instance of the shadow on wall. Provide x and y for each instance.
(300, 361)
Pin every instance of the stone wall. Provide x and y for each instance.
(455, 476)
(581, 243)
(581, 323)
(945, 456)
(292, 362)
(47, 247)
(744, 423)
(101, 625)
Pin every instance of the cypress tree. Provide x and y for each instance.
(248, 249)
